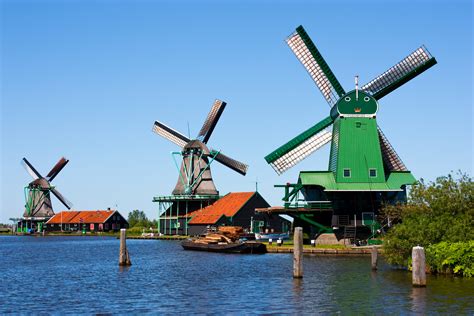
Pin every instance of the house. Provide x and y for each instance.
(89, 221)
(236, 209)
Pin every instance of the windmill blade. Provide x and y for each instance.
(318, 69)
(57, 168)
(61, 198)
(170, 134)
(407, 69)
(30, 169)
(300, 147)
(390, 157)
(211, 120)
(233, 164)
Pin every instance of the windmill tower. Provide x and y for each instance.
(364, 169)
(195, 187)
(38, 206)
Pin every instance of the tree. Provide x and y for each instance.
(138, 218)
(440, 211)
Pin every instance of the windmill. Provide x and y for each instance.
(38, 192)
(364, 168)
(195, 187)
(195, 176)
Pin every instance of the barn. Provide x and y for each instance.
(89, 221)
(236, 209)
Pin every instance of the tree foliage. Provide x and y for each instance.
(137, 218)
(440, 211)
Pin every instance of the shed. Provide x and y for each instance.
(99, 220)
(236, 209)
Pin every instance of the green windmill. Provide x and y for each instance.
(364, 169)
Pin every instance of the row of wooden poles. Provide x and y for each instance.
(418, 257)
(418, 260)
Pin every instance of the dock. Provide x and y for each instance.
(325, 251)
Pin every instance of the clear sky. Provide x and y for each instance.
(87, 79)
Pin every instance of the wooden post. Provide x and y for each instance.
(298, 253)
(418, 266)
(374, 258)
(124, 258)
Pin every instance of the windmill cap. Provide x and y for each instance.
(358, 103)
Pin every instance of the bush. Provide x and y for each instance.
(457, 258)
(441, 211)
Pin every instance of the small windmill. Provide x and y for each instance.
(354, 109)
(195, 176)
(37, 193)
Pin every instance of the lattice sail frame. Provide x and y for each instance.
(301, 152)
(211, 120)
(389, 156)
(170, 134)
(411, 63)
(309, 56)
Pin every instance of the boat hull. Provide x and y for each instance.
(245, 247)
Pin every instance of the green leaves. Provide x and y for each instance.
(457, 258)
(436, 213)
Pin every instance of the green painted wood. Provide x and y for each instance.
(358, 151)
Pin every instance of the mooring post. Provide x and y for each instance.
(374, 254)
(418, 266)
(124, 258)
(298, 253)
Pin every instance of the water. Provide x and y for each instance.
(81, 275)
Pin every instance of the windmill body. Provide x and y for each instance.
(364, 171)
(195, 187)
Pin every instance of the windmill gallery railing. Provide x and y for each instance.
(292, 200)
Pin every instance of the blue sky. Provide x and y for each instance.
(86, 80)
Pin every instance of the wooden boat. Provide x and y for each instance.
(250, 247)
(227, 239)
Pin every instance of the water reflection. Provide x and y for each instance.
(418, 300)
(164, 279)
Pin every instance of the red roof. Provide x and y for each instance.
(228, 206)
(77, 217)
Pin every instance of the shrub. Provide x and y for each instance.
(457, 258)
(441, 211)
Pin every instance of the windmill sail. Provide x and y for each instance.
(61, 198)
(170, 134)
(390, 158)
(230, 163)
(318, 69)
(30, 169)
(57, 168)
(211, 120)
(300, 147)
(407, 69)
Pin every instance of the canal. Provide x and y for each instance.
(81, 275)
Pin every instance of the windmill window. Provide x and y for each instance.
(346, 173)
(347, 99)
(373, 173)
(358, 124)
(366, 99)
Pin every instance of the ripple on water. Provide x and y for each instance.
(81, 275)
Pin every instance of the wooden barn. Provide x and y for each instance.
(236, 209)
(89, 221)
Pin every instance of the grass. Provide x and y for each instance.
(289, 243)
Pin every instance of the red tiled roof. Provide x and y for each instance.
(228, 206)
(74, 217)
